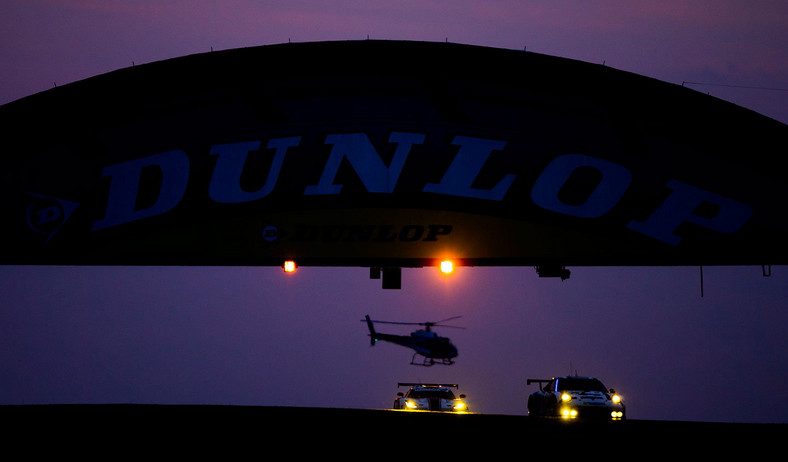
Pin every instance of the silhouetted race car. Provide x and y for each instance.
(575, 397)
(430, 397)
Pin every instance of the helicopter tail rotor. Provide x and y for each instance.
(372, 334)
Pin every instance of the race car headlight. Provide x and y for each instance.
(568, 413)
(459, 405)
(566, 397)
(410, 404)
(616, 399)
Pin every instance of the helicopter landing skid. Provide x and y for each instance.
(427, 362)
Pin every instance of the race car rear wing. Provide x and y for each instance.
(421, 384)
(539, 381)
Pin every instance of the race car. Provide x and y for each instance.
(430, 397)
(572, 397)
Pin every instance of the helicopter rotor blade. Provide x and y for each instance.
(440, 323)
(448, 319)
(427, 324)
(393, 322)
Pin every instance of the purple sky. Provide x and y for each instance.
(255, 336)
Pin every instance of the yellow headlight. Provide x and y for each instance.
(410, 404)
(616, 399)
(459, 405)
(568, 413)
(566, 397)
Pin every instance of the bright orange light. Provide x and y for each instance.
(447, 267)
(289, 266)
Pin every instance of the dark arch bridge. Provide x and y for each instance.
(388, 154)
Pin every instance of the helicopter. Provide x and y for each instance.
(433, 348)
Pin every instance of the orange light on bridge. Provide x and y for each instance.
(289, 266)
(447, 267)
